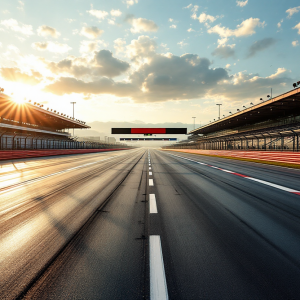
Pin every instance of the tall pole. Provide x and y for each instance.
(194, 121)
(219, 109)
(73, 114)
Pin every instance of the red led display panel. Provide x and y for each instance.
(148, 130)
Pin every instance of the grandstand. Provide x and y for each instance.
(273, 124)
(30, 126)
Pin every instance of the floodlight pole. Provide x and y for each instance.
(219, 109)
(73, 114)
(194, 121)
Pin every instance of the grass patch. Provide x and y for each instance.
(266, 162)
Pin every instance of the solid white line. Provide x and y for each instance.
(280, 187)
(150, 173)
(158, 284)
(152, 204)
(277, 186)
(151, 182)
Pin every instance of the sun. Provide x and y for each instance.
(19, 100)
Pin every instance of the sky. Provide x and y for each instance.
(143, 61)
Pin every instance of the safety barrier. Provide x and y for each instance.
(15, 154)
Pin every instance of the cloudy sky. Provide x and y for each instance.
(148, 60)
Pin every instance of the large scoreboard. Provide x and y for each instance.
(149, 130)
(148, 139)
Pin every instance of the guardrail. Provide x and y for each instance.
(15, 154)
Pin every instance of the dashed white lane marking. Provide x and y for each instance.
(150, 173)
(277, 186)
(152, 204)
(149, 168)
(158, 284)
(151, 182)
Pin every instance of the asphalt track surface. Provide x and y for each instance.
(148, 224)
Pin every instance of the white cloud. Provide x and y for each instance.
(227, 66)
(47, 30)
(206, 18)
(70, 20)
(182, 44)
(141, 25)
(189, 6)
(14, 25)
(91, 32)
(295, 43)
(279, 23)
(245, 28)
(297, 27)
(21, 5)
(173, 26)
(292, 11)
(119, 45)
(194, 11)
(115, 12)
(131, 2)
(51, 47)
(91, 46)
(241, 3)
(100, 14)
(170, 20)
(190, 30)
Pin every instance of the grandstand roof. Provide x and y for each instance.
(283, 105)
(30, 114)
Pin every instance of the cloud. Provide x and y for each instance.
(14, 25)
(16, 75)
(297, 27)
(295, 43)
(51, 46)
(206, 18)
(224, 51)
(250, 86)
(279, 24)
(182, 44)
(163, 77)
(241, 3)
(68, 85)
(131, 2)
(45, 30)
(227, 66)
(119, 45)
(140, 24)
(173, 26)
(171, 20)
(91, 32)
(260, 46)
(292, 11)
(246, 28)
(21, 5)
(190, 30)
(101, 64)
(100, 14)
(141, 50)
(115, 12)
(91, 46)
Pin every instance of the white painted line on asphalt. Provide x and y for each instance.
(149, 168)
(277, 186)
(150, 173)
(158, 283)
(274, 185)
(152, 204)
(151, 182)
